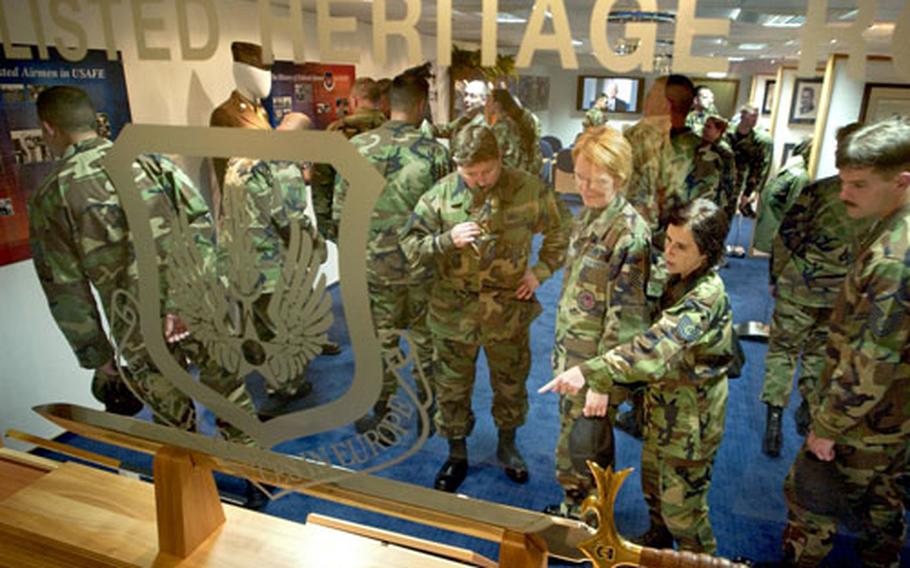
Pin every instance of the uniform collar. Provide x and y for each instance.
(84, 146)
(602, 219)
(241, 100)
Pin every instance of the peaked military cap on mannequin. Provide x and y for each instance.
(249, 53)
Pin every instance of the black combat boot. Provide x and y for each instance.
(253, 497)
(372, 420)
(510, 458)
(773, 438)
(455, 469)
(803, 418)
(657, 536)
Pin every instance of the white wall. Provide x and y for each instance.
(38, 366)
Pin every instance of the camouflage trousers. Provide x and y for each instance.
(172, 407)
(576, 484)
(870, 475)
(456, 362)
(323, 195)
(797, 332)
(397, 307)
(676, 492)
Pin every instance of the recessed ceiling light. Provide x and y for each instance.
(783, 21)
(833, 41)
(717, 74)
(577, 42)
(849, 15)
(734, 13)
(736, 58)
(790, 42)
(507, 18)
(752, 46)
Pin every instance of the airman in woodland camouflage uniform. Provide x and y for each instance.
(475, 98)
(476, 227)
(516, 131)
(702, 108)
(753, 149)
(714, 172)
(411, 164)
(603, 299)
(365, 115)
(79, 238)
(683, 359)
(272, 196)
(862, 424)
(663, 158)
(812, 253)
(597, 114)
(779, 194)
(663, 153)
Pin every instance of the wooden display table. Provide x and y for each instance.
(65, 514)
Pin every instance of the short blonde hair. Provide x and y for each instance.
(606, 148)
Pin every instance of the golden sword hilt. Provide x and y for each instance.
(607, 548)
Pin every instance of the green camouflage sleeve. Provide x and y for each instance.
(61, 263)
(556, 225)
(761, 165)
(423, 237)
(340, 194)
(726, 190)
(631, 264)
(867, 360)
(450, 128)
(509, 143)
(322, 183)
(647, 358)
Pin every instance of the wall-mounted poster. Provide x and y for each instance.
(24, 157)
(768, 98)
(884, 100)
(320, 91)
(533, 91)
(806, 96)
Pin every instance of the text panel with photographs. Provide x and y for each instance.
(26, 159)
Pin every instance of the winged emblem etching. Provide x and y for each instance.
(218, 309)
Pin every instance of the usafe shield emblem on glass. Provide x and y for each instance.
(216, 294)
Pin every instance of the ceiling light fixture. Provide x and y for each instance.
(640, 16)
(717, 74)
(752, 46)
(507, 18)
(783, 21)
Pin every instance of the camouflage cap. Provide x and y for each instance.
(249, 53)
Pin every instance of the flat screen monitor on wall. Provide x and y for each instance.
(623, 94)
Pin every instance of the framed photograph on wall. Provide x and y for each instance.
(883, 100)
(725, 92)
(767, 101)
(804, 105)
(788, 151)
(624, 94)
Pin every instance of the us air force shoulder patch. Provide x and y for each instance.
(686, 329)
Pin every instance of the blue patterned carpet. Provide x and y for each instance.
(747, 504)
